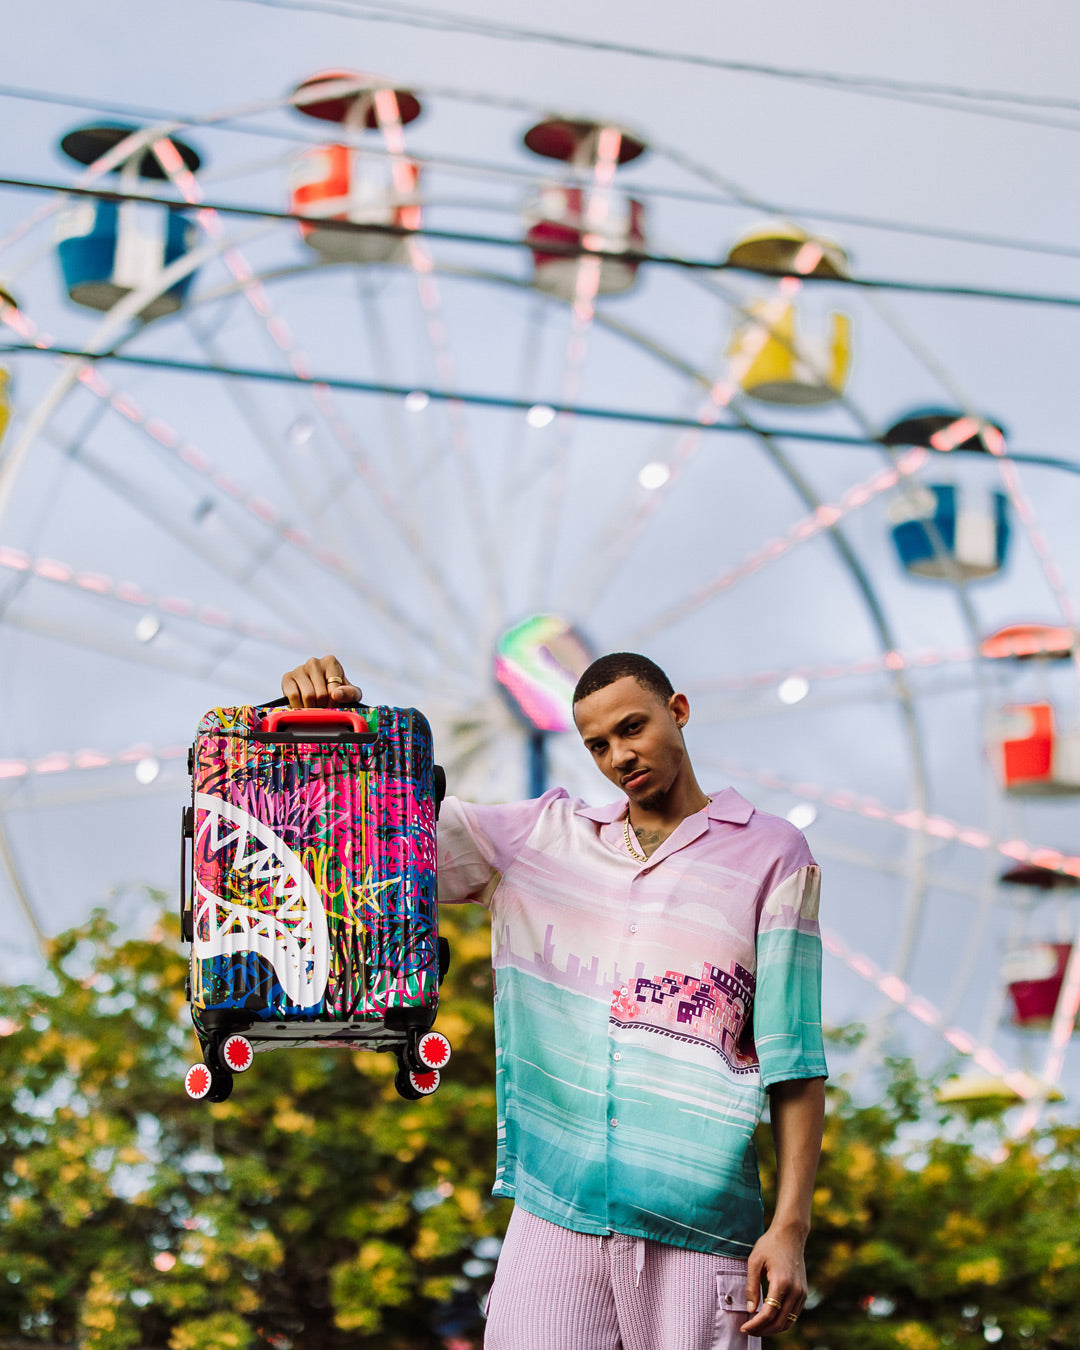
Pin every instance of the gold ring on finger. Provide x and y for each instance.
(774, 1301)
(793, 1317)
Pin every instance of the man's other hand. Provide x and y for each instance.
(778, 1257)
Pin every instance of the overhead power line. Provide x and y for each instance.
(505, 403)
(967, 99)
(630, 256)
(143, 113)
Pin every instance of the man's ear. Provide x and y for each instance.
(679, 707)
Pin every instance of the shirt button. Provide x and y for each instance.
(633, 928)
(617, 1055)
(613, 1122)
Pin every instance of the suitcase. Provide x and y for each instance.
(308, 889)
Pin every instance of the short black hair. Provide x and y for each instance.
(606, 670)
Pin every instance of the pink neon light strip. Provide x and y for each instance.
(891, 660)
(128, 593)
(280, 333)
(63, 761)
(723, 391)
(169, 439)
(808, 528)
(898, 992)
(995, 442)
(582, 315)
(388, 116)
(1061, 1030)
(1016, 850)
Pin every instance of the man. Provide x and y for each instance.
(657, 970)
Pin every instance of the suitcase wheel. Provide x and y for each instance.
(236, 1054)
(433, 1050)
(204, 1084)
(412, 1085)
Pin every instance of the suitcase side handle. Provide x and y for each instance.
(289, 725)
(187, 832)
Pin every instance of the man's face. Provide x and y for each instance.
(635, 738)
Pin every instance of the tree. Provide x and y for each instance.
(933, 1230)
(314, 1208)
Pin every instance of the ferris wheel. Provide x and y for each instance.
(399, 428)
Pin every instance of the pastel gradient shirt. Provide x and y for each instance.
(641, 1008)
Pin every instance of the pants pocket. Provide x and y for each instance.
(731, 1313)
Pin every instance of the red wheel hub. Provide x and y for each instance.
(434, 1049)
(237, 1053)
(197, 1081)
(425, 1083)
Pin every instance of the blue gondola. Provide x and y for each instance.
(109, 249)
(946, 532)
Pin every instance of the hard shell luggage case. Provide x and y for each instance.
(312, 907)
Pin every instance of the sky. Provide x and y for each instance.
(931, 142)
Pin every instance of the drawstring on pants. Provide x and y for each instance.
(639, 1260)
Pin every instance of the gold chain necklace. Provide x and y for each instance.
(638, 857)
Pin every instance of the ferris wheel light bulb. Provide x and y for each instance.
(147, 770)
(301, 432)
(653, 476)
(148, 627)
(540, 415)
(802, 815)
(793, 690)
(417, 401)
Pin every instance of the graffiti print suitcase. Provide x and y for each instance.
(312, 908)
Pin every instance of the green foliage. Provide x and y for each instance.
(931, 1232)
(313, 1208)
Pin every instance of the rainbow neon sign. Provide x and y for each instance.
(538, 662)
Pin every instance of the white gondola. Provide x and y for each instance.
(343, 183)
(567, 217)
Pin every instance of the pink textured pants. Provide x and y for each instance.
(559, 1290)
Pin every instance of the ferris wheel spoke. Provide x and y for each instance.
(447, 602)
(913, 818)
(593, 219)
(1062, 1027)
(251, 414)
(994, 444)
(91, 640)
(387, 116)
(163, 516)
(97, 585)
(78, 369)
(281, 335)
(898, 992)
(823, 518)
(256, 507)
(19, 890)
(871, 665)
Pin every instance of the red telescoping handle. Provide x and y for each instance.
(315, 724)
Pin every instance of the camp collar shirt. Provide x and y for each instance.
(642, 1007)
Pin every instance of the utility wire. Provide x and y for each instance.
(607, 414)
(629, 256)
(909, 90)
(488, 169)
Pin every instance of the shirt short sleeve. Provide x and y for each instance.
(787, 1000)
(478, 843)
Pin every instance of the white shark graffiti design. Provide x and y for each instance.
(293, 938)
